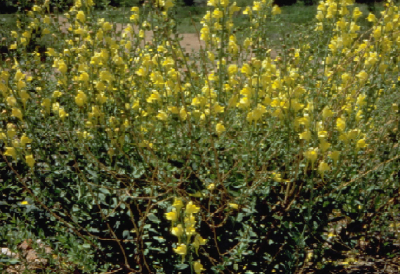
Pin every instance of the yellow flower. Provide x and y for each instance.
(191, 208)
(363, 76)
(24, 203)
(173, 110)
(29, 160)
(246, 69)
(218, 108)
(16, 112)
(232, 69)
(322, 168)
(183, 114)
(155, 96)
(324, 145)
(190, 220)
(177, 204)
(335, 156)
(198, 267)
(81, 16)
(177, 231)
(80, 98)
(233, 206)
(356, 13)
(10, 151)
(311, 155)
(62, 113)
(306, 135)
(220, 128)
(181, 250)
(84, 77)
(190, 231)
(19, 75)
(11, 130)
(322, 134)
(107, 26)
(361, 144)
(326, 113)
(371, 18)
(25, 140)
(171, 216)
(162, 115)
(197, 242)
(211, 187)
(11, 101)
(276, 10)
(340, 124)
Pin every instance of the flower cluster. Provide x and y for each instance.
(183, 227)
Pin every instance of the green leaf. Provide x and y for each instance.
(153, 218)
(182, 266)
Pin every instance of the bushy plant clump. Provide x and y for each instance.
(232, 159)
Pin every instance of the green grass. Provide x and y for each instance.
(292, 20)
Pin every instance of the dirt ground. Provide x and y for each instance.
(190, 41)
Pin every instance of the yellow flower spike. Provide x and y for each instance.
(10, 151)
(191, 208)
(16, 112)
(197, 242)
(220, 128)
(29, 160)
(322, 168)
(198, 267)
(177, 231)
